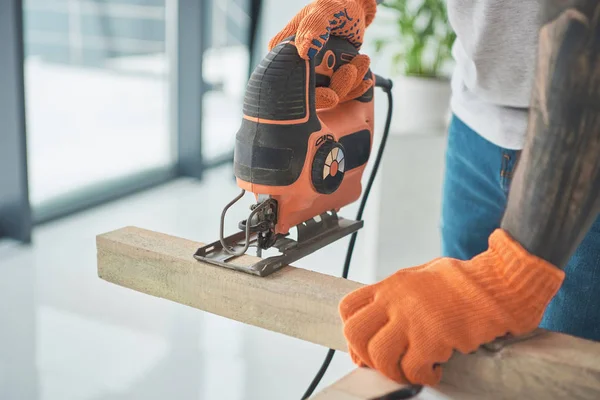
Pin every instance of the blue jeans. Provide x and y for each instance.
(476, 184)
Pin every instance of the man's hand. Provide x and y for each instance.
(412, 321)
(321, 18)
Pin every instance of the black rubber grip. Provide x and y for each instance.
(269, 154)
(277, 87)
(272, 153)
(358, 148)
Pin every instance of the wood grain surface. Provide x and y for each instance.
(292, 301)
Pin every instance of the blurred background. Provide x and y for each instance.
(124, 112)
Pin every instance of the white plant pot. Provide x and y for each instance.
(421, 105)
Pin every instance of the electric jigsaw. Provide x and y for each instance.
(302, 164)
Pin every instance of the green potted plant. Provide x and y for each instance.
(418, 43)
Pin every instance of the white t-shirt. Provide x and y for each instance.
(495, 53)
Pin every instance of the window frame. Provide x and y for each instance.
(186, 38)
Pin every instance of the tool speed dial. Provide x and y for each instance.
(328, 167)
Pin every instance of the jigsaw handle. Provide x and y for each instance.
(282, 87)
(279, 111)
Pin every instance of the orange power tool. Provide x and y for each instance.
(302, 164)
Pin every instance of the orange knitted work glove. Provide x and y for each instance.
(409, 323)
(346, 83)
(321, 18)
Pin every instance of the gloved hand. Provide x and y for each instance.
(409, 323)
(321, 18)
(346, 83)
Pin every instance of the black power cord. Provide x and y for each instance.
(386, 85)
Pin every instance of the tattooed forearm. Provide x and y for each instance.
(555, 194)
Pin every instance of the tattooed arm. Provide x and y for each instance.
(555, 194)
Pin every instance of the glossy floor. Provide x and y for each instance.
(112, 111)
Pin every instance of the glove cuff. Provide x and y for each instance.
(531, 281)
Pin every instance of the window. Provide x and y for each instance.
(225, 70)
(97, 94)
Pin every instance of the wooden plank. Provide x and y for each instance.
(367, 384)
(292, 301)
(548, 366)
(304, 304)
